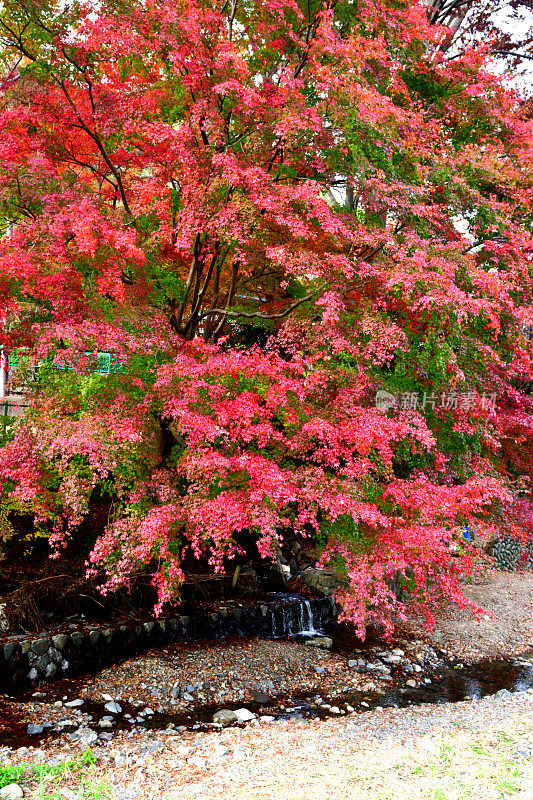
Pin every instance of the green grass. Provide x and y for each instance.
(48, 778)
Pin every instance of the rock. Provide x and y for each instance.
(4, 619)
(394, 658)
(11, 792)
(221, 750)
(113, 707)
(244, 715)
(322, 581)
(9, 650)
(60, 641)
(319, 670)
(411, 683)
(54, 655)
(380, 669)
(323, 642)
(40, 646)
(398, 652)
(74, 703)
(503, 694)
(188, 697)
(260, 697)
(175, 692)
(33, 674)
(120, 759)
(85, 736)
(34, 730)
(225, 717)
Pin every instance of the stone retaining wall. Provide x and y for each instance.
(28, 661)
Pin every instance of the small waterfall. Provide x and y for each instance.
(307, 621)
(293, 616)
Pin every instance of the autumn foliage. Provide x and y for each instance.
(267, 211)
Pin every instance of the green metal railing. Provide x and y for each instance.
(12, 408)
(105, 363)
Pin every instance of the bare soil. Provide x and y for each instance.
(505, 630)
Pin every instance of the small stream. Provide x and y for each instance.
(442, 682)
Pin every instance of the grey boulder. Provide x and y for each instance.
(225, 717)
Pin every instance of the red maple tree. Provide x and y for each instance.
(267, 212)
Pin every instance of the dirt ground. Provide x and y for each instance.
(505, 630)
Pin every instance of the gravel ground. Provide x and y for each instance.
(481, 749)
(472, 749)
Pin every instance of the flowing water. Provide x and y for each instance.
(290, 616)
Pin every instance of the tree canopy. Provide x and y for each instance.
(267, 211)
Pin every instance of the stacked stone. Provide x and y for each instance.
(26, 661)
(512, 554)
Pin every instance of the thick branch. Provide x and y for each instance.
(258, 314)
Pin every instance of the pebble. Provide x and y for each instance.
(392, 659)
(503, 694)
(260, 697)
(411, 683)
(85, 736)
(113, 707)
(323, 642)
(34, 730)
(244, 715)
(11, 792)
(225, 717)
(74, 703)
